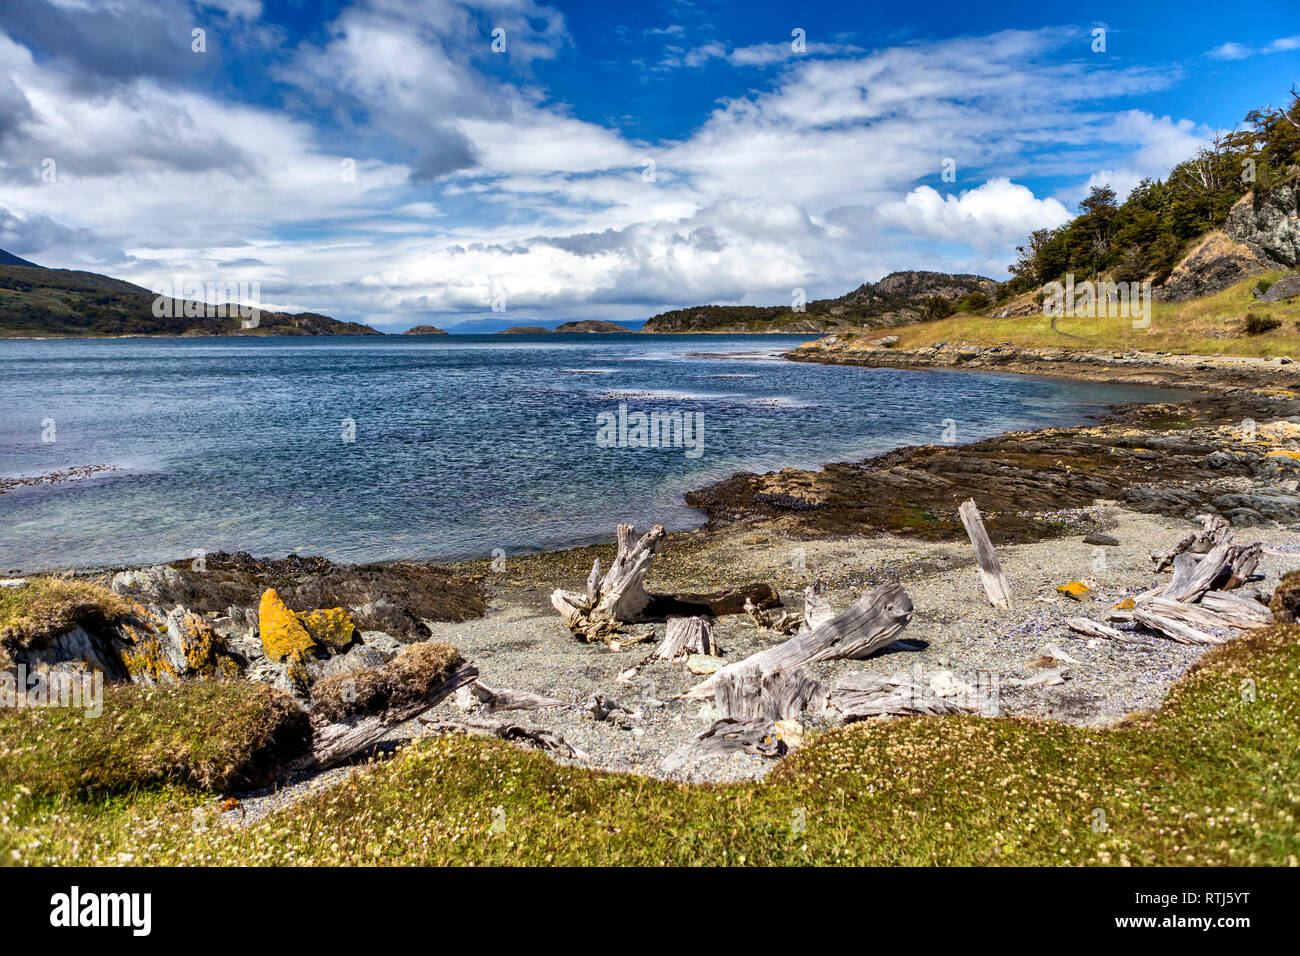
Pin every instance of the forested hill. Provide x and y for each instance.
(900, 298)
(40, 302)
(1245, 183)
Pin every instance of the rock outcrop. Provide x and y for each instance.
(1287, 287)
(287, 622)
(1214, 263)
(1269, 223)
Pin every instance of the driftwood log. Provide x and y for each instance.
(1083, 625)
(335, 742)
(783, 623)
(618, 596)
(1214, 530)
(872, 622)
(995, 582)
(748, 693)
(685, 636)
(539, 737)
(1227, 565)
(728, 735)
(1171, 628)
(859, 695)
(712, 604)
(1237, 610)
(491, 699)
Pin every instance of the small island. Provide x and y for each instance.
(592, 325)
(425, 330)
(585, 325)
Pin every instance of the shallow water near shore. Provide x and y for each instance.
(438, 447)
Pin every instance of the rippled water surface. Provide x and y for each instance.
(463, 444)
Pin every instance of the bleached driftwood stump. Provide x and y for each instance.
(816, 607)
(686, 636)
(619, 596)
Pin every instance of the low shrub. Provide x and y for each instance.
(1259, 324)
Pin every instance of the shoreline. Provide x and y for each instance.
(1137, 476)
(1106, 367)
(1206, 379)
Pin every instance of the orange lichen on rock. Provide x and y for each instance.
(1075, 589)
(283, 636)
(204, 653)
(143, 654)
(332, 626)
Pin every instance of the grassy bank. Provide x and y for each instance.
(48, 606)
(1208, 326)
(1213, 778)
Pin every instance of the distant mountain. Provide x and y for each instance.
(900, 298)
(9, 259)
(40, 302)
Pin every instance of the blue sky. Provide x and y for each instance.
(378, 160)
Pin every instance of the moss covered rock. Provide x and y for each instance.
(283, 635)
(1286, 599)
(332, 626)
(157, 646)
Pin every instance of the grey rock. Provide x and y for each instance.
(1097, 537)
(1287, 287)
(358, 658)
(381, 641)
(74, 650)
(1268, 221)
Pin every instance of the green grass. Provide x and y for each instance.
(205, 734)
(1208, 326)
(48, 606)
(1213, 778)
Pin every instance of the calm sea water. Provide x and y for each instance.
(462, 445)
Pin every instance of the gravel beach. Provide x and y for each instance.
(1140, 478)
(521, 643)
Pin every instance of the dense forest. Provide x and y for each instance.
(1145, 236)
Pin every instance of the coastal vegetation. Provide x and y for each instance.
(1147, 235)
(897, 299)
(1212, 325)
(204, 734)
(48, 606)
(1209, 779)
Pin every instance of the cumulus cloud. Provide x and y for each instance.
(992, 214)
(407, 171)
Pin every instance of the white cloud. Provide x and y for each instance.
(1239, 51)
(464, 177)
(990, 215)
